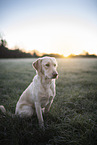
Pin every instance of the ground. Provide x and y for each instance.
(72, 119)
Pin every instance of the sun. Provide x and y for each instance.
(65, 55)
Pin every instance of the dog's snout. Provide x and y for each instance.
(55, 74)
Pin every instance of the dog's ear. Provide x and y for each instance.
(38, 65)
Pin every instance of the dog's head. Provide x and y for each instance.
(46, 66)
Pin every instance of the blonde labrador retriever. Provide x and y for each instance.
(40, 93)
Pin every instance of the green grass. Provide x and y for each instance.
(72, 119)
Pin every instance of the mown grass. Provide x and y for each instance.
(72, 119)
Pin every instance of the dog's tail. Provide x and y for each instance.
(2, 108)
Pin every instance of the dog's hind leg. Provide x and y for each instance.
(25, 111)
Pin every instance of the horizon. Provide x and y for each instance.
(37, 53)
(40, 54)
(65, 27)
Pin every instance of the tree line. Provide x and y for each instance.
(6, 53)
(17, 53)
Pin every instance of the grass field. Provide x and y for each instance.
(72, 119)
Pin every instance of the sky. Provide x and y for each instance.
(50, 26)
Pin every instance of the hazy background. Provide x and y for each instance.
(50, 26)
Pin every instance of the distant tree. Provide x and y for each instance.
(53, 55)
(84, 53)
(35, 55)
(7, 53)
(87, 53)
(3, 42)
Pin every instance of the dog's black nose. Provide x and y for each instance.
(54, 74)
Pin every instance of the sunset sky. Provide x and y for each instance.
(50, 26)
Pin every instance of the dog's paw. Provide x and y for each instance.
(41, 125)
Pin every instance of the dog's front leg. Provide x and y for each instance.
(39, 114)
(48, 106)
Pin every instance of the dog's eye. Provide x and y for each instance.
(47, 65)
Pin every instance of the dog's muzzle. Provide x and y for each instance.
(54, 75)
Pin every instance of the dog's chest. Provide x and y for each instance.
(45, 96)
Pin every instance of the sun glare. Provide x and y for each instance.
(66, 55)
